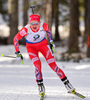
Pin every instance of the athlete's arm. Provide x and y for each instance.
(47, 29)
(19, 35)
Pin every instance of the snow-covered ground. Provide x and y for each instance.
(17, 81)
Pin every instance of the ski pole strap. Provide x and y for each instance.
(52, 42)
(18, 55)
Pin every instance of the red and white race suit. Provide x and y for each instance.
(35, 43)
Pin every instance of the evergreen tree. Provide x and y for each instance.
(3, 9)
(56, 12)
(13, 12)
(25, 11)
(74, 26)
(88, 27)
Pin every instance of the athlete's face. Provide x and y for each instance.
(35, 25)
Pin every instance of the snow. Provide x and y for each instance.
(17, 81)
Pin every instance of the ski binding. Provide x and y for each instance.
(42, 96)
(77, 94)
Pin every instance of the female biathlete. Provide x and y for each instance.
(34, 34)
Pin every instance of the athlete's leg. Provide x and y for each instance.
(46, 51)
(33, 54)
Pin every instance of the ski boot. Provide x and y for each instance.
(69, 87)
(41, 88)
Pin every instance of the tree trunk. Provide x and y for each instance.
(25, 18)
(13, 11)
(88, 28)
(48, 18)
(56, 8)
(74, 26)
(25, 12)
(85, 19)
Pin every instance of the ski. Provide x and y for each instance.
(77, 94)
(42, 96)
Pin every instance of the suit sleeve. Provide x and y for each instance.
(19, 35)
(47, 29)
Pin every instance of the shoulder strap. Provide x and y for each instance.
(28, 28)
(41, 26)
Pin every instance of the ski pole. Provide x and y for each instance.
(7, 56)
(22, 61)
(53, 49)
(2, 55)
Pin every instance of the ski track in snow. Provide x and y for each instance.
(17, 81)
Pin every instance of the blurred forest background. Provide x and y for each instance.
(69, 21)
